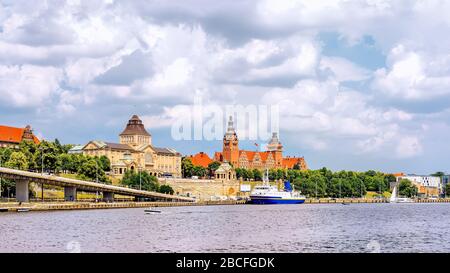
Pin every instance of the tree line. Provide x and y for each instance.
(314, 183)
(53, 157)
(144, 181)
(189, 170)
(326, 183)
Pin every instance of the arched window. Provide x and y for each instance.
(148, 158)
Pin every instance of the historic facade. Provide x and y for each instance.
(135, 151)
(12, 136)
(270, 159)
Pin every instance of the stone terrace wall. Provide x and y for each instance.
(204, 189)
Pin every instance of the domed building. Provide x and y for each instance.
(135, 151)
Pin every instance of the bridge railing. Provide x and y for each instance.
(90, 185)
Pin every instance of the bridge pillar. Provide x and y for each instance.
(70, 194)
(108, 196)
(22, 192)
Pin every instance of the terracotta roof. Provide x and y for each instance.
(200, 159)
(135, 127)
(264, 155)
(289, 162)
(13, 134)
(251, 155)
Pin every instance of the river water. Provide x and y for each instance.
(237, 228)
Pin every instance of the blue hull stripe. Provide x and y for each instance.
(275, 200)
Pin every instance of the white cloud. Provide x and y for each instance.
(343, 69)
(304, 63)
(409, 77)
(28, 85)
(52, 55)
(408, 147)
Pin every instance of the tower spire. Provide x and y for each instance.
(230, 128)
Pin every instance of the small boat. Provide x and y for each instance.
(4, 209)
(152, 211)
(395, 199)
(267, 194)
(343, 203)
(23, 210)
(403, 200)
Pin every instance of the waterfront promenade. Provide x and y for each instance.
(50, 206)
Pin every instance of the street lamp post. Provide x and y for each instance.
(316, 189)
(42, 160)
(140, 179)
(96, 179)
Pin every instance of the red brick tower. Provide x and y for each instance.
(231, 145)
(276, 148)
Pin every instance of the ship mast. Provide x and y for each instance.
(266, 178)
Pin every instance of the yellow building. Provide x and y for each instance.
(136, 152)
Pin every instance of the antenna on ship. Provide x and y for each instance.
(266, 177)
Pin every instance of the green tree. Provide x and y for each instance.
(239, 173)
(140, 179)
(186, 167)
(212, 167)
(248, 174)
(257, 175)
(447, 190)
(65, 162)
(407, 188)
(50, 153)
(77, 160)
(166, 189)
(90, 170)
(28, 148)
(105, 163)
(18, 161)
(438, 174)
(199, 171)
(5, 154)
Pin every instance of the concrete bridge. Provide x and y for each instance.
(23, 178)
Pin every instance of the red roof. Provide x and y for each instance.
(201, 159)
(264, 155)
(251, 155)
(13, 134)
(289, 162)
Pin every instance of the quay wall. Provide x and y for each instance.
(11, 207)
(204, 189)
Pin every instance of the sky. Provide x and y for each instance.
(360, 84)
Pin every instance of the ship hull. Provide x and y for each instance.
(259, 200)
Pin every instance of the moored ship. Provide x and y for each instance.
(267, 194)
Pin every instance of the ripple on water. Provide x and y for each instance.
(278, 228)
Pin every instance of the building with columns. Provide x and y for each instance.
(270, 159)
(135, 151)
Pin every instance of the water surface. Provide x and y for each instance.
(240, 228)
